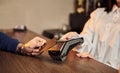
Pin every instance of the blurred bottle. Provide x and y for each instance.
(19, 32)
(65, 28)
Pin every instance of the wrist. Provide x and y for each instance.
(20, 48)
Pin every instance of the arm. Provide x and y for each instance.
(90, 33)
(33, 47)
(7, 43)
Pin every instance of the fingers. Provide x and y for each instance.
(31, 51)
(84, 54)
(69, 35)
(36, 52)
(34, 46)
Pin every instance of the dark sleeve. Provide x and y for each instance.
(7, 43)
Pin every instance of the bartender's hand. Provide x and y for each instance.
(69, 36)
(33, 47)
(84, 54)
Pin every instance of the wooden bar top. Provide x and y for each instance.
(15, 63)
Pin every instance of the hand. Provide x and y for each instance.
(84, 54)
(33, 47)
(69, 35)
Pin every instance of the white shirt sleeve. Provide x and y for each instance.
(88, 32)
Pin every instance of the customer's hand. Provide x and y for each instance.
(33, 47)
(69, 35)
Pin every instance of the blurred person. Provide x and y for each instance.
(101, 34)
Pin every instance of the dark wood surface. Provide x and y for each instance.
(14, 63)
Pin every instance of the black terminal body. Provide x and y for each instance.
(60, 50)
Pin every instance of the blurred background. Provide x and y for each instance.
(37, 15)
(46, 16)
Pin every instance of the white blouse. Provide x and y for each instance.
(101, 36)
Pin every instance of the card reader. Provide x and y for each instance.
(60, 50)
